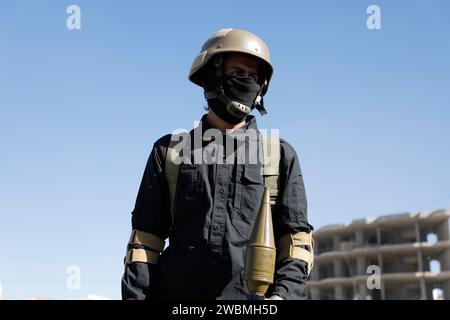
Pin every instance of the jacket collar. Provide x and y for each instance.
(250, 123)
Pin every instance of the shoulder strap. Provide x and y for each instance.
(172, 166)
(271, 166)
(271, 171)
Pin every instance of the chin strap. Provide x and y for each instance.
(235, 108)
(259, 101)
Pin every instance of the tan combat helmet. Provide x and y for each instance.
(229, 41)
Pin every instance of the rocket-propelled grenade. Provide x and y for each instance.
(261, 251)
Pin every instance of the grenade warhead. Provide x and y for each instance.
(261, 251)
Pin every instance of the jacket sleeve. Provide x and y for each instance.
(290, 217)
(150, 216)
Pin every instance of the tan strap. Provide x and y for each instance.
(296, 253)
(295, 239)
(288, 248)
(271, 165)
(302, 238)
(172, 165)
(271, 183)
(271, 155)
(147, 239)
(141, 255)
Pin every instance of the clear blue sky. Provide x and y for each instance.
(367, 111)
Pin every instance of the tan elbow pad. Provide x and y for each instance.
(148, 240)
(290, 245)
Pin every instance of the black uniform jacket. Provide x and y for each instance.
(215, 209)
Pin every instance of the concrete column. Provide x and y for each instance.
(446, 288)
(361, 270)
(315, 274)
(423, 289)
(380, 264)
(338, 269)
(400, 293)
(383, 290)
(443, 234)
(360, 265)
(336, 242)
(420, 261)
(338, 292)
(444, 259)
(315, 293)
(362, 290)
(417, 231)
(443, 231)
(359, 238)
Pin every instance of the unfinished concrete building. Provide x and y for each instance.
(401, 256)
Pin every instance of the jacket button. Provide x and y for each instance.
(217, 227)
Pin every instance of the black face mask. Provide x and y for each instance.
(242, 90)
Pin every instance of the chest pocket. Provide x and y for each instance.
(251, 189)
(189, 195)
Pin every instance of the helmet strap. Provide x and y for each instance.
(259, 100)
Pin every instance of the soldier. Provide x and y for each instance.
(207, 210)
